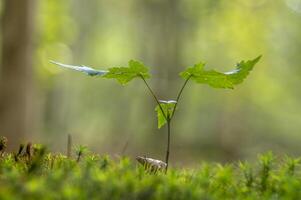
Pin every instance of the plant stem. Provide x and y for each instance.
(168, 144)
(79, 156)
(167, 117)
(155, 97)
(179, 96)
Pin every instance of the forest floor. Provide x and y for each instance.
(34, 173)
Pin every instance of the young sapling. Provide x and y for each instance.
(166, 108)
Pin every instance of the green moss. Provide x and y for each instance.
(49, 176)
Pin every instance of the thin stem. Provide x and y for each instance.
(168, 144)
(79, 156)
(155, 97)
(167, 117)
(179, 96)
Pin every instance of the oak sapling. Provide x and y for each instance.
(166, 108)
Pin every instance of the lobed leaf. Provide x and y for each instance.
(218, 79)
(87, 70)
(125, 74)
(167, 107)
(122, 74)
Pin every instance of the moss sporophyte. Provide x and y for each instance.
(166, 109)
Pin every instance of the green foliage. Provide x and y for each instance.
(197, 73)
(247, 173)
(167, 107)
(218, 79)
(266, 161)
(291, 164)
(122, 74)
(80, 151)
(54, 176)
(125, 74)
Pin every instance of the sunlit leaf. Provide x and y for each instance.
(218, 79)
(167, 107)
(87, 70)
(125, 74)
(242, 70)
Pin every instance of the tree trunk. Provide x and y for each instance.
(16, 70)
(161, 25)
(162, 42)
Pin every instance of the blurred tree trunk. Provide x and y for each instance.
(161, 24)
(16, 70)
(162, 42)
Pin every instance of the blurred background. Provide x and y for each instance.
(43, 103)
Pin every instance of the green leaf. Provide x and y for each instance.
(125, 74)
(167, 107)
(242, 70)
(218, 79)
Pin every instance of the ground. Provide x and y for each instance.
(38, 174)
